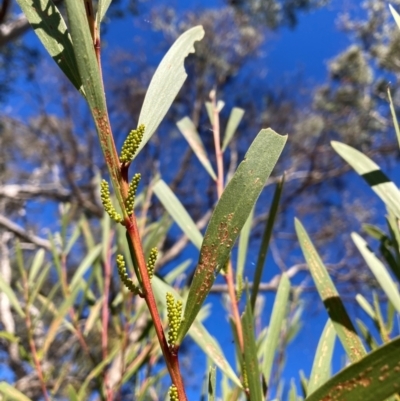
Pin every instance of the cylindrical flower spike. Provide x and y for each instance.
(152, 262)
(130, 200)
(131, 144)
(124, 275)
(106, 201)
(174, 311)
(173, 393)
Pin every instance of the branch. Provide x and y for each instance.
(12, 30)
(24, 234)
(271, 286)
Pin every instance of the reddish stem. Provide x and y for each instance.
(171, 359)
(220, 188)
(32, 344)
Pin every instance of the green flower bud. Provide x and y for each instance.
(130, 200)
(151, 262)
(106, 201)
(131, 144)
(173, 393)
(174, 311)
(124, 275)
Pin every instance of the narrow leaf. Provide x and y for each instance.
(396, 16)
(275, 325)
(394, 117)
(233, 122)
(10, 391)
(374, 377)
(93, 85)
(212, 376)
(372, 174)
(189, 131)
(52, 31)
(55, 324)
(367, 335)
(166, 82)
(379, 271)
(229, 216)
(84, 266)
(250, 355)
(242, 251)
(102, 8)
(178, 212)
(10, 294)
(72, 394)
(321, 369)
(210, 109)
(36, 265)
(171, 276)
(366, 306)
(330, 297)
(262, 254)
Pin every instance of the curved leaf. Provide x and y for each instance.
(229, 216)
(374, 176)
(375, 377)
(251, 364)
(93, 85)
(379, 271)
(321, 369)
(10, 391)
(278, 314)
(233, 122)
(166, 82)
(178, 212)
(52, 31)
(189, 131)
(330, 297)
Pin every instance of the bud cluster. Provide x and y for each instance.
(131, 144)
(151, 262)
(106, 201)
(124, 275)
(174, 311)
(130, 200)
(173, 393)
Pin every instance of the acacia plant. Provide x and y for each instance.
(76, 48)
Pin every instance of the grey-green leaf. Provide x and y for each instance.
(372, 174)
(262, 254)
(93, 85)
(102, 8)
(375, 377)
(251, 364)
(10, 294)
(212, 376)
(166, 82)
(178, 212)
(321, 369)
(189, 131)
(330, 297)
(242, 251)
(275, 325)
(10, 391)
(233, 122)
(379, 271)
(394, 117)
(229, 216)
(52, 31)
